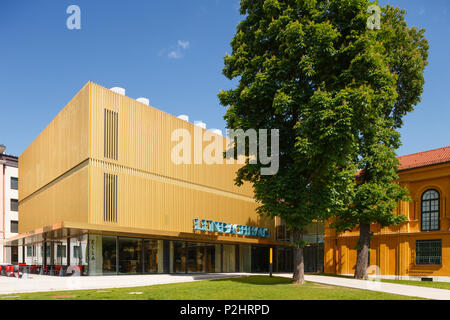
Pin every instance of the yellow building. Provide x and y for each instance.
(418, 248)
(100, 192)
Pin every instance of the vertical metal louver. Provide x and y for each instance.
(110, 197)
(111, 134)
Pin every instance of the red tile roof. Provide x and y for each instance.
(425, 158)
(422, 159)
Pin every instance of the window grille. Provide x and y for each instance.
(430, 211)
(428, 251)
(110, 197)
(14, 183)
(111, 128)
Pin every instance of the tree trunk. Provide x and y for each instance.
(299, 265)
(362, 258)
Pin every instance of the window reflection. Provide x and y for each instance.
(130, 255)
(284, 259)
(78, 255)
(229, 258)
(430, 211)
(177, 257)
(196, 257)
(153, 256)
(212, 257)
(109, 254)
(245, 258)
(260, 259)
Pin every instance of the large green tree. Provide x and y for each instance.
(386, 78)
(336, 91)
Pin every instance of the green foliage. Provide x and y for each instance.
(337, 92)
(299, 244)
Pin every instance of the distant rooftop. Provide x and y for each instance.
(426, 158)
(9, 160)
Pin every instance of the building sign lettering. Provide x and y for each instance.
(222, 227)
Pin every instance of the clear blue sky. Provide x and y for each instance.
(170, 51)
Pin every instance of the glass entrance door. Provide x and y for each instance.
(130, 255)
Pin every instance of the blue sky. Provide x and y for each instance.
(170, 51)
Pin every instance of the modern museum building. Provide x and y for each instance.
(99, 191)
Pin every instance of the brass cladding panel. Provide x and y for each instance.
(65, 200)
(152, 192)
(150, 202)
(145, 142)
(62, 145)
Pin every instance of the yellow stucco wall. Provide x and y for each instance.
(393, 248)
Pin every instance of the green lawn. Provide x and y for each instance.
(243, 288)
(430, 284)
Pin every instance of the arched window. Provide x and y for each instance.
(430, 210)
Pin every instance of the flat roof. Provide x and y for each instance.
(9, 160)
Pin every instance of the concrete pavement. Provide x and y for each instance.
(40, 283)
(402, 289)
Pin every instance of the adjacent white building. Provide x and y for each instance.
(9, 204)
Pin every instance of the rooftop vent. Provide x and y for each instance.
(2, 148)
(143, 100)
(216, 131)
(183, 117)
(118, 90)
(200, 124)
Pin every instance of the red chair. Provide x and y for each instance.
(10, 271)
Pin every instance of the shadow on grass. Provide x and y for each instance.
(257, 280)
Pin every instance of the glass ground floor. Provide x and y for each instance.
(92, 254)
